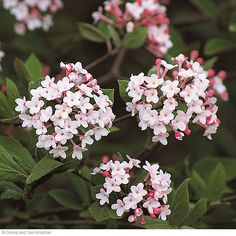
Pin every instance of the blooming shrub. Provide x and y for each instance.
(176, 96)
(32, 14)
(149, 194)
(140, 13)
(69, 111)
(45, 179)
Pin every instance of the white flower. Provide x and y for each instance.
(59, 151)
(162, 138)
(78, 152)
(119, 207)
(34, 105)
(152, 169)
(153, 81)
(45, 114)
(170, 88)
(111, 186)
(133, 162)
(138, 191)
(165, 211)
(150, 204)
(102, 196)
(130, 202)
(21, 104)
(65, 84)
(72, 99)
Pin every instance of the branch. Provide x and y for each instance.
(117, 120)
(101, 59)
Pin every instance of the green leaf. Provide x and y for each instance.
(34, 84)
(21, 70)
(218, 45)
(9, 168)
(44, 167)
(136, 38)
(216, 183)
(12, 94)
(94, 190)
(99, 213)
(197, 212)
(152, 71)
(113, 129)
(34, 66)
(65, 198)
(154, 224)
(178, 43)
(180, 204)
(10, 191)
(115, 36)
(208, 8)
(81, 188)
(198, 184)
(20, 154)
(5, 111)
(139, 177)
(123, 84)
(109, 93)
(206, 165)
(91, 33)
(208, 64)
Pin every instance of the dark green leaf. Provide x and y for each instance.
(218, 45)
(123, 84)
(208, 8)
(115, 36)
(10, 191)
(21, 70)
(91, 33)
(65, 198)
(180, 204)
(43, 167)
(99, 213)
(152, 71)
(216, 183)
(109, 93)
(34, 66)
(5, 111)
(136, 38)
(20, 154)
(34, 84)
(199, 185)
(12, 94)
(208, 64)
(81, 188)
(197, 212)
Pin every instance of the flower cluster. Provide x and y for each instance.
(32, 14)
(175, 96)
(73, 110)
(2, 54)
(147, 196)
(147, 13)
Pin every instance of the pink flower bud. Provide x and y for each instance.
(210, 93)
(138, 212)
(105, 173)
(4, 88)
(188, 132)
(153, 216)
(142, 222)
(200, 60)
(222, 74)
(194, 54)
(157, 210)
(105, 159)
(211, 73)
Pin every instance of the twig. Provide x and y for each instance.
(229, 199)
(101, 59)
(85, 179)
(117, 120)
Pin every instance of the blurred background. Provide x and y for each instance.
(210, 29)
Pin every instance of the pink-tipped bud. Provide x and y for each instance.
(142, 222)
(194, 55)
(211, 72)
(119, 20)
(211, 82)
(188, 132)
(151, 194)
(105, 174)
(210, 93)
(138, 212)
(200, 60)
(4, 89)
(153, 216)
(222, 74)
(177, 134)
(105, 159)
(158, 62)
(157, 210)
(175, 73)
(218, 121)
(35, 12)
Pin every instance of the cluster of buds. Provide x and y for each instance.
(147, 13)
(146, 197)
(2, 54)
(175, 96)
(32, 14)
(73, 110)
